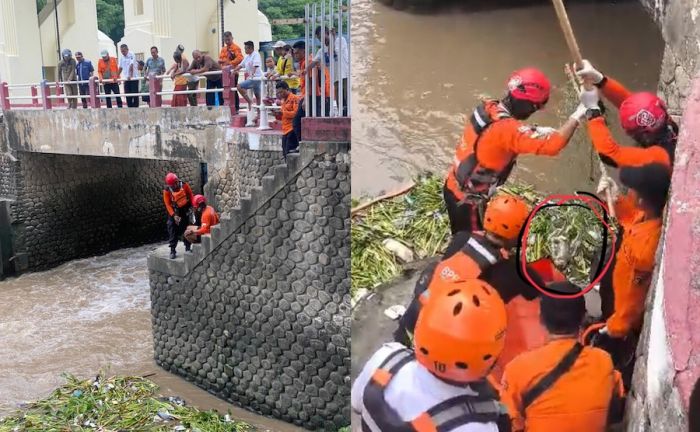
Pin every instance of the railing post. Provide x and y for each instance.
(45, 93)
(4, 96)
(155, 87)
(59, 92)
(35, 96)
(226, 84)
(233, 95)
(93, 90)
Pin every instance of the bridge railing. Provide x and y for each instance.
(48, 95)
(328, 19)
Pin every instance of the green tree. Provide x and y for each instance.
(110, 18)
(278, 9)
(40, 5)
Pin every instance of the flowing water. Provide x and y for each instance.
(416, 76)
(81, 317)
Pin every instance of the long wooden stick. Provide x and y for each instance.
(577, 86)
(401, 191)
(571, 42)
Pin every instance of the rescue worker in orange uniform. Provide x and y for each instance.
(207, 217)
(442, 385)
(178, 199)
(289, 104)
(493, 138)
(562, 386)
(643, 116)
(471, 255)
(640, 214)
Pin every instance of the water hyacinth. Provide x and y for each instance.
(419, 221)
(120, 403)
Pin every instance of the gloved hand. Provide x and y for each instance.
(588, 72)
(579, 114)
(607, 183)
(590, 99)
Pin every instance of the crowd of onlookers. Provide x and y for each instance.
(284, 76)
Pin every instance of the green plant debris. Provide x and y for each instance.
(419, 221)
(119, 403)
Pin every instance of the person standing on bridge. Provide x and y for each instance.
(539, 385)
(493, 139)
(108, 72)
(178, 199)
(177, 73)
(84, 71)
(231, 55)
(207, 217)
(128, 70)
(202, 63)
(154, 65)
(66, 74)
(285, 65)
(252, 64)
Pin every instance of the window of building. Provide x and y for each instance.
(138, 7)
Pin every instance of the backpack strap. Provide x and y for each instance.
(552, 377)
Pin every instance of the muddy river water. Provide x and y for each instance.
(416, 76)
(83, 316)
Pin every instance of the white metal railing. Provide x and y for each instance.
(331, 19)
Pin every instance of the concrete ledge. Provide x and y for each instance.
(682, 240)
(325, 129)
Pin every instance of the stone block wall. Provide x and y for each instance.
(680, 26)
(68, 207)
(263, 321)
(226, 186)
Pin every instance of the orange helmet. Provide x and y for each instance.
(505, 216)
(460, 330)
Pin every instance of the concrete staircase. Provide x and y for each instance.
(184, 263)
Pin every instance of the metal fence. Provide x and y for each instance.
(327, 39)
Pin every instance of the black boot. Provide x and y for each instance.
(172, 254)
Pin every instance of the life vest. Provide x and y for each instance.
(179, 199)
(378, 416)
(473, 178)
(468, 263)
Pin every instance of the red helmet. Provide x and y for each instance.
(643, 112)
(529, 84)
(199, 200)
(171, 179)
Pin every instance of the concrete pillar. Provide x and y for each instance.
(35, 96)
(93, 88)
(45, 93)
(4, 96)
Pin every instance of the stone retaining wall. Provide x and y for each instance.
(668, 362)
(68, 207)
(263, 320)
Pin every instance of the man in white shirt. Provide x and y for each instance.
(253, 71)
(128, 69)
(442, 384)
(341, 62)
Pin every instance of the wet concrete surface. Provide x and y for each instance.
(84, 316)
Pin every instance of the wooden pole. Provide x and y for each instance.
(571, 42)
(401, 191)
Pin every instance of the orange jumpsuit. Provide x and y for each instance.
(633, 267)
(209, 219)
(289, 109)
(500, 144)
(223, 55)
(606, 145)
(577, 402)
(302, 66)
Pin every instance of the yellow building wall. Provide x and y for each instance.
(20, 51)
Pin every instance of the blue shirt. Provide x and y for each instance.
(83, 70)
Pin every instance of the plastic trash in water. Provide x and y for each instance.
(164, 415)
(77, 393)
(395, 312)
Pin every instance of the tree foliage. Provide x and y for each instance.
(40, 5)
(278, 9)
(110, 18)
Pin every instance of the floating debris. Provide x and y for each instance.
(117, 403)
